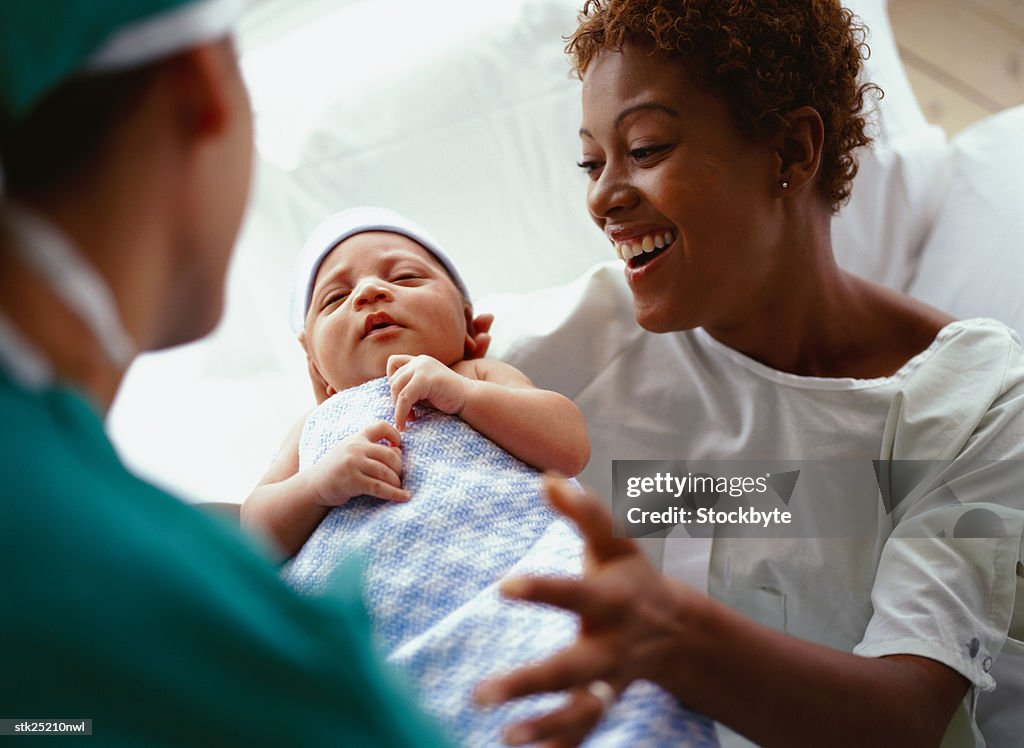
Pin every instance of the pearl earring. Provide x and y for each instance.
(785, 185)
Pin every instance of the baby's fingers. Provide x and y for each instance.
(382, 431)
(404, 400)
(386, 491)
(389, 458)
(381, 479)
(396, 362)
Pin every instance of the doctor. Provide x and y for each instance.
(126, 143)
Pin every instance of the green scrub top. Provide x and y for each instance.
(160, 624)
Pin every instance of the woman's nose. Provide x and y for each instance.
(610, 193)
(371, 290)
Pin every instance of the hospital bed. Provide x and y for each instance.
(462, 115)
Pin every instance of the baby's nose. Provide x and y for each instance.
(371, 290)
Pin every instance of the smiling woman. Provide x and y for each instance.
(726, 131)
(739, 161)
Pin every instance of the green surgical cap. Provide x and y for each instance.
(45, 42)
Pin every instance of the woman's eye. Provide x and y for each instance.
(589, 167)
(645, 152)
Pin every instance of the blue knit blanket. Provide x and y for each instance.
(432, 566)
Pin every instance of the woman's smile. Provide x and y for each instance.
(636, 249)
(638, 268)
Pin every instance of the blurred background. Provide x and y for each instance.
(964, 58)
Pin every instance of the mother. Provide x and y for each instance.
(725, 132)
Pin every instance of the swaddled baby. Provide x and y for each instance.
(380, 299)
(426, 463)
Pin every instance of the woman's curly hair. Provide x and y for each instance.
(763, 57)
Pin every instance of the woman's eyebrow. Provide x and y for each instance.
(646, 106)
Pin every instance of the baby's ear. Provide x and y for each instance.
(321, 389)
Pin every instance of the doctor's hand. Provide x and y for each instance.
(423, 379)
(367, 463)
(630, 628)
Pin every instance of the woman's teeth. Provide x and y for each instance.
(629, 249)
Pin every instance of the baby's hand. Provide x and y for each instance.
(422, 379)
(361, 465)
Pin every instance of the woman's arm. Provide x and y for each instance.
(773, 688)
(289, 503)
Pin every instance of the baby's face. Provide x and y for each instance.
(377, 294)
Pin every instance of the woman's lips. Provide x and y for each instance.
(637, 244)
(639, 268)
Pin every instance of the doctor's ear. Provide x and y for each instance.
(200, 81)
(798, 148)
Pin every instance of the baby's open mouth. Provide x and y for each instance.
(378, 321)
(640, 250)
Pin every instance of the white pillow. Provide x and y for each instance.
(902, 177)
(973, 262)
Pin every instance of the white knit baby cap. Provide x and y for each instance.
(340, 227)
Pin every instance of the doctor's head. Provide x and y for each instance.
(128, 127)
(709, 129)
(371, 284)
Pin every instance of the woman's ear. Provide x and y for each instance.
(798, 147)
(321, 389)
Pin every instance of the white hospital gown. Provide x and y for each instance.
(929, 592)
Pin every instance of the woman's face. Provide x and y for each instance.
(670, 174)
